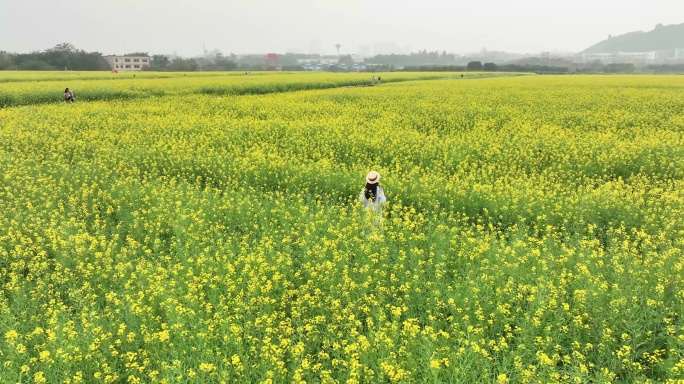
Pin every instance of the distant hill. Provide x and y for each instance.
(662, 38)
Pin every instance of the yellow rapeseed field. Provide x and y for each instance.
(39, 88)
(533, 231)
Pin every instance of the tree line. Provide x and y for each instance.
(61, 57)
(66, 57)
(589, 68)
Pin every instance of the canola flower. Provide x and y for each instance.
(39, 88)
(30, 76)
(533, 234)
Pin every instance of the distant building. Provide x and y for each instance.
(679, 54)
(127, 63)
(637, 56)
(662, 56)
(323, 60)
(358, 59)
(324, 63)
(622, 57)
(602, 57)
(272, 61)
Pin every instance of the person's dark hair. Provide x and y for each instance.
(371, 191)
(66, 90)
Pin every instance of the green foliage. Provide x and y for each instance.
(474, 66)
(62, 56)
(619, 68)
(288, 60)
(219, 63)
(346, 59)
(490, 67)
(183, 65)
(666, 68)
(414, 59)
(6, 61)
(145, 54)
(159, 63)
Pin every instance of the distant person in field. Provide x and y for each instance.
(379, 79)
(68, 96)
(373, 80)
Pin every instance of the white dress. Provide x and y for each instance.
(377, 204)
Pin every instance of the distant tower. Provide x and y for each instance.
(338, 46)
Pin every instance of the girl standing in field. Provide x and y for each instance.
(373, 196)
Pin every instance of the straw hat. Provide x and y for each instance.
(372, 177)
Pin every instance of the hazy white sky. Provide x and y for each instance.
(256, 26)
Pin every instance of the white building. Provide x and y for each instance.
(679, 54)
(357, 58)
(128, 63)
(602, 57)
(325, 60)
(622, 57)
(637, 56)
